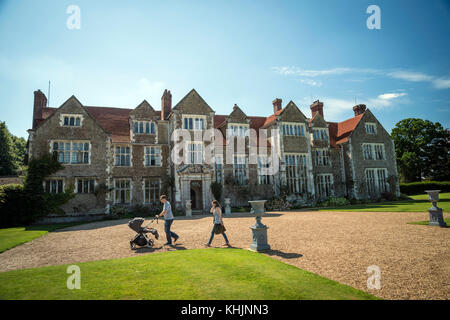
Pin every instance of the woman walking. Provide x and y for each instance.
(218, 223)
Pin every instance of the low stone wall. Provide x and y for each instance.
(11, 180)
(71, 218)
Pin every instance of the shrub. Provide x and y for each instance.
(388, 196)
(119, 211)
(140, 209)
(420, 187)
(240, 209)
(21, 205)
(14, 206)
(279, 204)
(334, 202)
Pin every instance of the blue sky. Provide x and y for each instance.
(244, 52)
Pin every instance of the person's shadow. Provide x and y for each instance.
(283, 255)
(155, 248)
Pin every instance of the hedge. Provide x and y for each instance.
(14, 206)
(420, 187)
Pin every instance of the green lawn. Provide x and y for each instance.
(184, 274)
(419, 204)
(12, 237)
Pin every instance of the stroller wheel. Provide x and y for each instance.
(150, 243)
(132, 246)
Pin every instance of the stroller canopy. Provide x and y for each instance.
(136, 224)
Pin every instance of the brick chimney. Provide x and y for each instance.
(166, 104)
(359, 109)
(276, 105)
(317, 106)
(40, 102)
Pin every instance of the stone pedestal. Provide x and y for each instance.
(227, 206)
(259, 230)
(436, 215)
(188, 208)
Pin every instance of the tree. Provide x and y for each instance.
(12, 152)
(422, 149)
(19, 152)
(23, 204)
(7, 166)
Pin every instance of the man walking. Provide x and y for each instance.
(168, 220)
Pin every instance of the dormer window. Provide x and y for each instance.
(320, 134)
(71, 120)
(238, 130)
(144, 127)
(371, 128)
(194, 123)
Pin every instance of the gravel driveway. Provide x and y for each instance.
(414, 260)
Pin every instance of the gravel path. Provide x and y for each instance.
(414, 259)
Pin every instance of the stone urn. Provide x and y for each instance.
(259, 230)
(188, 208)
(436, 216)
(227, 206)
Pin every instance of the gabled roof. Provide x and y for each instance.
(345, 128)
(192, 97)
(116, 121)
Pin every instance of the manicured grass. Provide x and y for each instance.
(12, 237)
(419, 203)
(425, 223)
(184, 274)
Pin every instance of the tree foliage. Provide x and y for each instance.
(12, 152)
(21, 205)
(422, 150)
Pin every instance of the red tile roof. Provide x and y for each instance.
(345, 128)
(116, 122)
(273, 117)
(218, 120)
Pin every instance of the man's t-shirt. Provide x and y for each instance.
(168, 208)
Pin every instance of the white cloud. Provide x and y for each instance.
(390, 96)
(315, 73)
(310, 82)
(337, 109)
(441, 83)
(411, 76)
(334, 109)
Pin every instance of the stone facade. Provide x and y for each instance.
(116, 156)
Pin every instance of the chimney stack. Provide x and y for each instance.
(166, 104)
(40, 102)
(359, 109)
(276, 105)
(317, 106)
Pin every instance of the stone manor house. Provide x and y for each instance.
(116, 156)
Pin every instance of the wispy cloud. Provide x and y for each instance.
(337, 109)
(410, 76)
(310, 82)
(441, 83)
(316, 73)
(406, 75)
(390, 96)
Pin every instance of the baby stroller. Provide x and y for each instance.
(141, 238)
